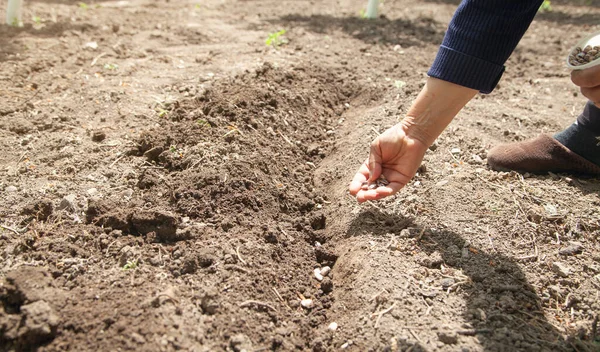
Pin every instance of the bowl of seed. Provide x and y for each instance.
(586, 53)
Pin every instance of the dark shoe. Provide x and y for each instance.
(538, 156)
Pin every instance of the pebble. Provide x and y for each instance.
(307, 303)
(68, 203)
(318, 275)
(561, 269)
(325, 270)
(477, 159)
(572, 249)
(92, 192)
(346, 344)
(333, 326)
(10, 189)
(455, 151)
(448, 338)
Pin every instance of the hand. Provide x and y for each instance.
(393, 154)
(589, 81)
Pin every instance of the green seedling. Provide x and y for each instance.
(362, 13)
(546, 6)
(203, 123)
(36, 20)
(131, 264)
(173, 149)
(111, 67)
(276, 39)
(83, 6)
(162, 112)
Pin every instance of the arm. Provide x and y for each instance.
(480, 38)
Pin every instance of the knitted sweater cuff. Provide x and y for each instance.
(465, 70)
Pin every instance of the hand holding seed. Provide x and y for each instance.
(589, 81)
(393, 161)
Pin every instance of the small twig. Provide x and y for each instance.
(374, 130)
(97, 58)
(16, 231)
(257, 303)
(380, 314)
(116, 160)
(377, 295)
(278, 295)
(286, 139)
(107, 248)
(237, 251)
(414, 334)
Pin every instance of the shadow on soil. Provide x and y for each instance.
(9, 36)
(382, 30)
(503, 308)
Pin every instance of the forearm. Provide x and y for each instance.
(434, 108)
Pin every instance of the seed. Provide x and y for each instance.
(583, 56)
(372, 186)
(318, 274)
(307, 303)
(325, 270)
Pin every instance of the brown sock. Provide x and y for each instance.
(539, 155)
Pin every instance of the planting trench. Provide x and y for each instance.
(217, 249)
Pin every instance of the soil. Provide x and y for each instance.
(169, 182)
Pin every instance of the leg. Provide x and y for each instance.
(575, 150)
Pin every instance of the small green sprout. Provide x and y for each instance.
(131, 264)
(197, 6)
(546, 6)
(83, 6)
(203, 123)
(162, 112)
(276, 39)
(362, 13)
(111, 67)
(173, 149)
(37, 19)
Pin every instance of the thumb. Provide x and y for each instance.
(375, 161)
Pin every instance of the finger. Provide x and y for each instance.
(592, 94)
(379, 192)
(374, 161)
(361, 176)
(589, 77)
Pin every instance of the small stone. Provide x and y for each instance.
(347, 344)
(10, 189)
(455, 151)
(333, 326)
(448, 338)
(92, 192)
(561, 269)
(307, 303)
(477, 159)
(318, 275)
(68, 203)
(572, 249)
(325, 270)
(98, 136)
(447, 282)
(138, 338)
(327, 285)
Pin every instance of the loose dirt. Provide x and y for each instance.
(169, 182)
